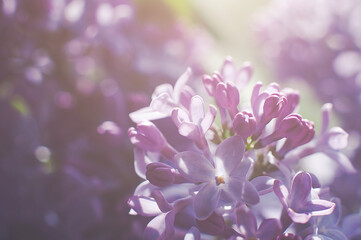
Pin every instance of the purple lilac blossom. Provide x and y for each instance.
(317, 42)
(234, 163)
(70, 71)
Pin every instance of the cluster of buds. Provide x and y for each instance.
(220, 178)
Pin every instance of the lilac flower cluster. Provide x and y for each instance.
(226, 171)
(70, 71)
(318, 42)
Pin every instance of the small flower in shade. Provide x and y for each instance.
(227, 174)
(244, 124)
(195, 123)
(165, 98)
(239, 77)
(247, 225)
(298, 203)
(147, 137)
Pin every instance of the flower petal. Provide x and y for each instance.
(229, 154)
(197, 111)
(208, 118)
(246, 221)
(319, 207)
(160, 227)
(206, 201)
(269, 229)
(140, 162)
(299, 217)
(190, 130)
(281, 192)
(181, 82)
(146, 114)
(300, 189)
(144, 206)
(195, 167)
(242, 191)
(263, 184)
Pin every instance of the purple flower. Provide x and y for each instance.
(298, 203)
(225, 174)
(247, 225)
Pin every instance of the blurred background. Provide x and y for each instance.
(72, 70)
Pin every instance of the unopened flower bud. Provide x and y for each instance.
(160, 174)
(244, 124)
(147, 137)
(273, 106)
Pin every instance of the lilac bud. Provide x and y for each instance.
(273, 106)
(291, 126)
(293, 98)
(160, 174)
(244, 124)
(147, 137)
(227, 95)
(210, 83)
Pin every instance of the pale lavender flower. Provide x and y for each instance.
(298, 202)
(223, 175)
(249, 157)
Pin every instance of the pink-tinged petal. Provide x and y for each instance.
(145, 188)
(229, 154)
(227, 95)
(342, 160)
(147, 114)
(193, 234)
(210, 83)
(163, 104)
(319, 207)
(179, 116)
(162, 203)
(162, 88)
(244, 75)
(195, 167)
(298, 217)
(186, 96)
(197, 111)
(206, 201)
(244, 124)
(181, 82)
(208, 120)
(300, 189)
(337, 138)
(161, 227)
(228, 70)
(281, 192)
(263, 184)
(144, 206)
(246, 221)
(147, 136)
(140, 162)
(190, 130)
(242, 191)
(269, 229)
